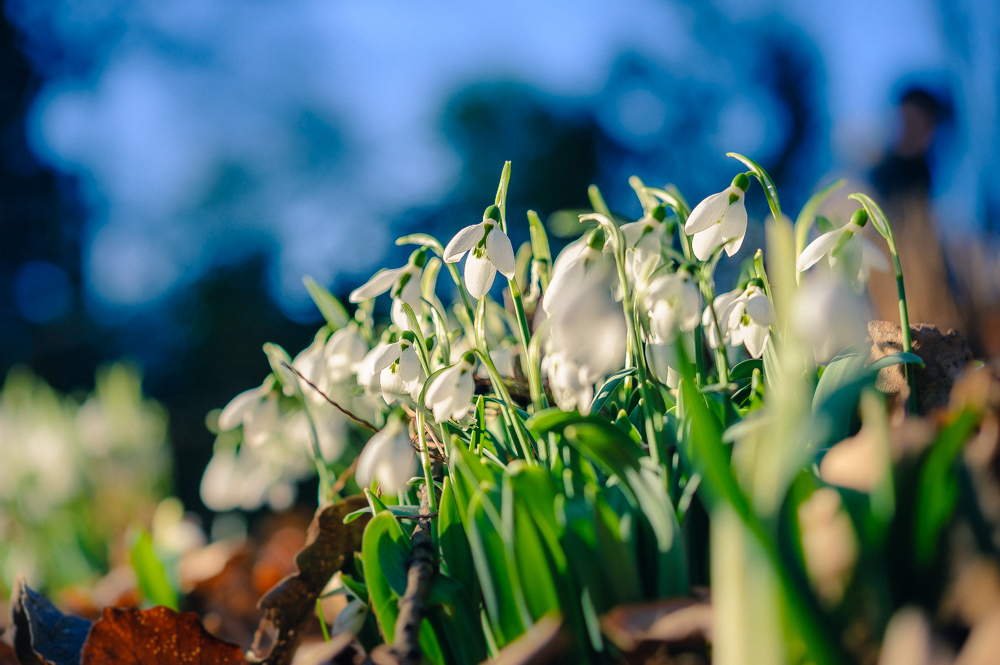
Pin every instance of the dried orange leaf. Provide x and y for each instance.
(158, 636)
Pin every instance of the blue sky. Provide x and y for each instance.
(319, 121)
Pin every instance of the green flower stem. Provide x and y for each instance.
(499, 386)
(721, 361)
(425, 462)
(533, 372)
(904, 324)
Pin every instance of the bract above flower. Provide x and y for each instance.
(719, 220)
(489, 250)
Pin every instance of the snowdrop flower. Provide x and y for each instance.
(847, 247)
(663, 360)
(828, 316)
(574, 262)
(586, 340)
(673, 305)
(256, 410)
(449, 395)
(388, 457)
(644, 251)
(397, 367)
(489, 250)
(748, 318)
(716, 312)
(403, 285)
(344, 351)
(719, 220)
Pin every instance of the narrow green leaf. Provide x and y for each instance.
(385, 549)
(151, 573)
(332, 310)
(744, 370)
(609, 388)
(770, 191)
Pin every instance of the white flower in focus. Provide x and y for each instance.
(403, 285)
(586, 339)
(344, 351)
(489, 250)
(673, 304)
(719, 220)
(389, 458)
(748, 319)
(719, 308)
(392, 369)
(846, 247)
(449, 395)
(828, 316)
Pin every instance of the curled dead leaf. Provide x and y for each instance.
(43, 634)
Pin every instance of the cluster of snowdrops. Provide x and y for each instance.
(589, 435)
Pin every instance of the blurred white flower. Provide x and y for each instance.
(829, 544)
(388, 457)
(586, 339)
(719, 220)
(828, 316)
(576, 260)
(644, 241)
(350, 619)
(256, 410)
(344, 351)
(673, 304)
(489, 250)
(449, 395)
(846, 248)
(716, 312)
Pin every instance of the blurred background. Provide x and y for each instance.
(170, 171)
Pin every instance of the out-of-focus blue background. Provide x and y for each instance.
(170, 170)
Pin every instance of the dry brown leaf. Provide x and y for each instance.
(158, 636)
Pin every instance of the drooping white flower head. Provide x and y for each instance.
(343, 352)
(828, 316)
(846, 248)
(256, 410)
(672, 304)
(719, 220)
(749, 320)
(489, 250)
(388, 457)
(392, 369)
(580, 257)
(716, 312)
(449, 395)
(644, 241)
(403, 285)
(586, 339)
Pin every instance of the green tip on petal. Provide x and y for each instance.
(493, 213)
(419, 257)
(596, 239)
(860, 217)
(742, 181)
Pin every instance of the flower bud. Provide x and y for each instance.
(860, 217)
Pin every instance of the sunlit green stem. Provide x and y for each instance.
(904, 325)
(425, 462)
(483, 351)
(531, 370)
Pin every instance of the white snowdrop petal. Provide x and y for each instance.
(380, 282)
(759, 308)
(463, 241)
(817, 249)
(705, 242)
(754, 337)
(479, 275)
(707, 213)
(384, 355)
(872, 256)
(500, 252)
(232, 416)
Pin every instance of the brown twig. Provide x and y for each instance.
(361, 421)
(420, 574)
